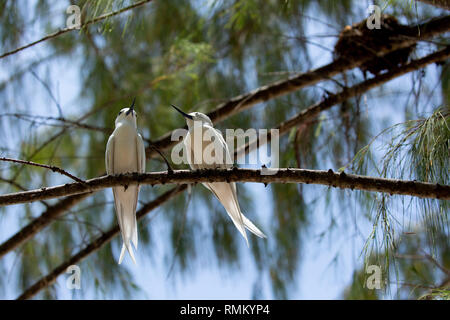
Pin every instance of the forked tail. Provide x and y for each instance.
(128, 228)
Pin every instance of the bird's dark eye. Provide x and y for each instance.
(120, 112)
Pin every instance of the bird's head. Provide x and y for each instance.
(127, 115)
(194, 117)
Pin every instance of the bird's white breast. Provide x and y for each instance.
(125, 149)
(196, 142)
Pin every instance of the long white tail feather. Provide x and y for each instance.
(129, 232)
(122, 253)
(129, 228)
(126, 203)
(129, 248)
(224, 193)
(252, 228)
(130, 251)
(135, 234)
(240, 227)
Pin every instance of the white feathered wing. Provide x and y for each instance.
(225, 192)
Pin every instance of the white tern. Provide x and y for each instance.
(125, 153)
(225, 192)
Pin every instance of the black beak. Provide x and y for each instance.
(183, 113)
(132, 107)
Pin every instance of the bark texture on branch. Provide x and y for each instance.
(96, 245)
(242, 102)
(52, 168)
(443, 4)
(328, 178)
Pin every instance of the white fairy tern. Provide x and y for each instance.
(125, 153)
(200, 125)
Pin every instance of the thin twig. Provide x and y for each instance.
(52, 168)
(65, 30)
(169, 168)
(50, 93)
(436, 263)
(20, 187)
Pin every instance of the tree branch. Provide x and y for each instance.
(347, 93)
(242, 102)
(95, 245)
(52, 168)
(39, 223)
(20, 187)
(443, 4)
(65, 30)
(328, 178)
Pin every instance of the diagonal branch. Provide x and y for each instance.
(48, 216)
(96, 244)
(20, 187)
(350, 92)
(444, 4)
(328, 178)
(242, 102)
(65, 30)
(49, 91)
(53, 168)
